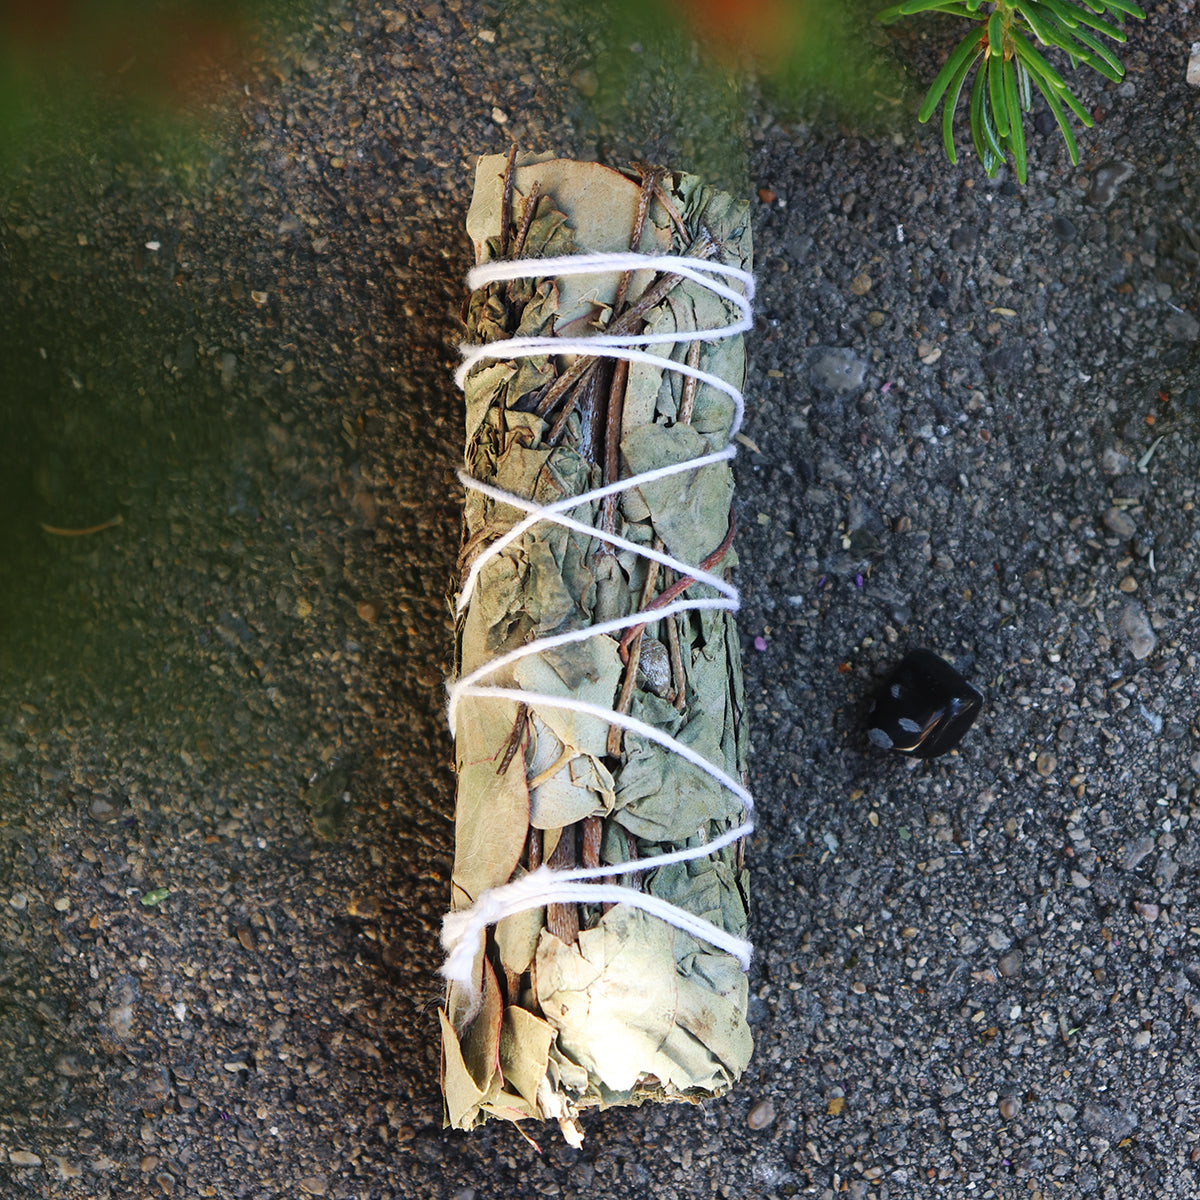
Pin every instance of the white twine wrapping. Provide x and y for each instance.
(462, 930)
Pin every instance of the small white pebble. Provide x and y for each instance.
(62, 904)
(499, 116)
(761, 1115)
(19, 901)
(154, 245)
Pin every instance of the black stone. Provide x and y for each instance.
(924, 707)
(1064, 229)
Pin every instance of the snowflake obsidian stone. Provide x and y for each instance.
(924, 707)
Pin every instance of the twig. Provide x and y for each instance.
(628, 322)
(506, 200)
(678, 587)
(678, 678)
(687, 398)
(635, 652)
(59, 531)
(515, 738)
(615, 411)
(687, 403)
(527, 215)
(563, 919)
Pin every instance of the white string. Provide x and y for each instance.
(461, 930)
(538, 514)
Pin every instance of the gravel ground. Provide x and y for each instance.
(225, 785)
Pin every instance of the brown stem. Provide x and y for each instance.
(678, 587)
(678, 678)
(593, 830)
(615, 732)
(506, 200)
(515, 738)
(527, 214)
(628, 322)
(563, 919)
(687, 398)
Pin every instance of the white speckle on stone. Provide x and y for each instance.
(1193, 67)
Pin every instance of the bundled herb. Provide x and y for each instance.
(582, 1004)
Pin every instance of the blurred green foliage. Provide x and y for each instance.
(82, 77)
(671, 80)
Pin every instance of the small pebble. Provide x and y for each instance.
(1010, 964)
(1046, 762)
(1136, 852)
(1120, 522)
(760, 644)
(1064, 229)
(315, 1185)
(1135, 625)
(103, 809)
(860, 285)
(1107, 179)
(1009, 1107)
(65, 1168)
(838, 371)
(1147, 911)
(19, 901)
(761, 1115)
(366, 908)
(1112, 462)
(24, 1158)
(367, 610)
(1182, 327)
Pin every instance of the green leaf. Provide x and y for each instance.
(975, 113)
(1050, 31)
(1068, 14)
(1077, 108)
(156, 896)
(951, 106)
(1035, 62)
(1126, 6)
(910, 7)
(1113, 31)
(990, 137)
(1015, 129)
(1100, 49)
(950, 67)
(995, 65)
(1023, 80)
(1056, 108)
(995, 33)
